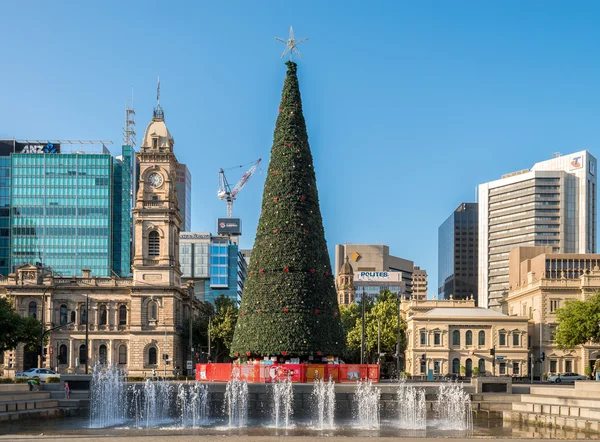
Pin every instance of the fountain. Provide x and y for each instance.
(236, 401)
(192, 403)
(283, 401)
(324, 395)
(366, 399)
(107, 397)
(453, 407)
(412, 409)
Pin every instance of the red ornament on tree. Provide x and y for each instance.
(335, 313)
(303, 198)
(258, 311)
(276, 230)
(316, 311)
(261, 271)
(305, 230)
(284, 353)
(237, 353)
(278, 109)
(274, 172)
(285, 310)
(318, 353)
(326, 273)
(286, 269)
(288, 144)
(251, 273)
(243, 313)
(312, 271)
(275, 199)
(248, 353)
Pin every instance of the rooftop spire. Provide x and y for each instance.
(158, 111)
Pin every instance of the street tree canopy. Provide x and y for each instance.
(15, 329)
(578, 323)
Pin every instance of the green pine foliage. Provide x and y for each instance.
(289, 304)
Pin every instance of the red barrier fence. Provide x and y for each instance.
(256, 373)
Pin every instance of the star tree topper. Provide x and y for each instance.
(290, 44)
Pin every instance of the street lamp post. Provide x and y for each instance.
(362, 337)
(41, 355)
(87, 336)
(540, 349)
(398, 339)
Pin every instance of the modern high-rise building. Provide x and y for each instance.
(375, 258)
(184, 196)
(419, 283)
(552, 204)
(457, 254)
(213, 263)
(69, 207)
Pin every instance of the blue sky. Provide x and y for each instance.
(409, 105)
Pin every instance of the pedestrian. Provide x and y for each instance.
(33, 384)
(154, 372)
(67, 391)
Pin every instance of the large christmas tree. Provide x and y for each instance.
(289, 304)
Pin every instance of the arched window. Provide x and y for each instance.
(455, 337)
(469, 337)
(63, 314)
(152, 356)
(62, 354)
(102, 315)
(33, 309)
(152, 311)
(102, 354)
(481, 337)
(455, 366)
(153, 244)
(122, 355)
(1, 358)
(122, 315)
(481, 366)
(82, 354)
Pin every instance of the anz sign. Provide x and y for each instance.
(37, 148)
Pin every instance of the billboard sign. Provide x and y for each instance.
(9, 146)
(576, 162)
(378, 276)
(193, 235)
(229, 226)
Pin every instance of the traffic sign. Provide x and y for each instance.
(500, 357)
(189, 365)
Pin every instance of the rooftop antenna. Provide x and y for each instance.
(158, 111)
(129, 129)
(556, 155)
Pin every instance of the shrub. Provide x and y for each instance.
(135, 378)
(545, 376)
(20, 380)
(463, 370)
(6, 381)
(476, 371)
(53, 380)
(588, 371)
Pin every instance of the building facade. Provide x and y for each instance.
(457, 254)
(374, 258)
(444, 336)
(214, 264)
(184, 196)
(553, 204)
(136, 323)
(344, 283)
(541, 282)
(419, 283)
(65, 210)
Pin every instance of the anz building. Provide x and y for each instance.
(66, 206)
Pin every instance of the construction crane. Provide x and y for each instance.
(226, 193)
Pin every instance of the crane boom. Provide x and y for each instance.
(226, 193)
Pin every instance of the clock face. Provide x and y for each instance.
(155, 179)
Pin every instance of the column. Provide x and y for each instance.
(70, 358)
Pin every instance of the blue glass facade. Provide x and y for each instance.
(71, 211)
(4, 215)
(183, 187)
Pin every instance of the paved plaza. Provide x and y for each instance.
(213, 438)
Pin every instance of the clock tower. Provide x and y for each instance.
(156, 212)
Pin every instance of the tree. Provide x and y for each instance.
(289, 304)
(15, 329)
(222, 326)
(199, 327)
(578, 323)
(382, 315)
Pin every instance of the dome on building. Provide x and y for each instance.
(157, 129)
(346, 268)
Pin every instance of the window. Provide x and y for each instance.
(122, 315)
(502, 367)
(554, 304)
(515, 368)
(62, 354)
(516, 339)
(423, 367)
(455, 366)
(423, 338)
(102, 315)
(82, 354)
(83, 315)
(436, 339)
(63, 314)
(469, 338)
(481, 337)
(481, 366)
(33, 309)
(502, 338)
(152, 311)
(455, 337)
(436, 367)
(102, 354)
(568, 366)
(152, 356)
(553, 366)
(122, 355)
(153, 244)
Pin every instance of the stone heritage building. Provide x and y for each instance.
(344, 283)
(443, 336)
(132, 322)
(540, 282)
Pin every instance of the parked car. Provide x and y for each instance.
(566, 378)
(42, 373)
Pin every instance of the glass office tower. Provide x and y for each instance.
(4, 215)
(183, 186)
(457, 253)
(71, 211)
